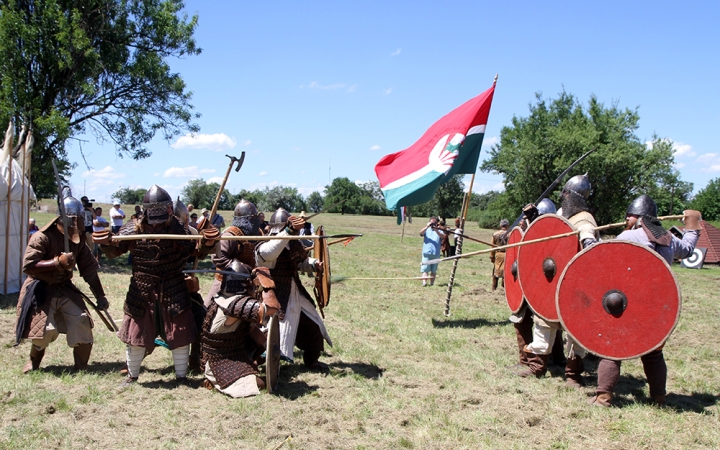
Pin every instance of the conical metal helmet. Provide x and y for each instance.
(546, 206)
(643, 206)
(278, 220)
(245, 208)
(155, 203)
(180, 211)
(73, 207)
(236, 284)
(579, 184)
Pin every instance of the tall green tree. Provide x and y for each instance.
(343, 196)
(70, 67)
(707, 201)
(535, 149)
(315, 202)
(129, 196)
(282, 197)
(199, 193)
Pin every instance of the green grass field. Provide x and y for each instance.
(402, 374)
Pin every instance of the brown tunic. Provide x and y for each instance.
(44, 245)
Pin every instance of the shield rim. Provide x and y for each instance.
(506, 271)
(272, 374)
(653, 253)
(572, 228)
(321, 251)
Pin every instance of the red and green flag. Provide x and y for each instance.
(451, 146)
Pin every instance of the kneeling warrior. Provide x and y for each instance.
(644, 228)
(158, 301)
(300, 323)
(229, 346)
(49, 303)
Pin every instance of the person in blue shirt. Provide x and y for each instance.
(432, 238)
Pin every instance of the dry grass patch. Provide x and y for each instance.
(402, 374)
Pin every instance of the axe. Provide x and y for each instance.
(233, 160)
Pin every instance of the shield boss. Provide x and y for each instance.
(618, 299)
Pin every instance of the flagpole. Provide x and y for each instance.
(459, 239)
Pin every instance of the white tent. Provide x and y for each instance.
(15, 196)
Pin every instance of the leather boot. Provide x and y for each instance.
(659, 400)
(602, 399)
(81, 354)
(36, 357)
(573, 372)
(494, 284)
(537, 366)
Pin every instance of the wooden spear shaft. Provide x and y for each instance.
(197, 237)
(535, 241)
(7, 222)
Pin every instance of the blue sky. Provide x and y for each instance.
(317, 90)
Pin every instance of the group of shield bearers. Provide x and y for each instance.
(222, 335)
(539, 339)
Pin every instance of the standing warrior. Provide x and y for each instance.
(300, 323)
(158, 301)
(498, 257)
(535, 363)
(644, 228)
(49, 303)
(246, 222)
(228, 347)
(573, 207)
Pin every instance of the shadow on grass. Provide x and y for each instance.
(8, 301)
(695, 402)
(107, 368)
(467, 323)
(369, 371)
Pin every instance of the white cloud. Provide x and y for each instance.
(707, 157)
(217, 142)
(680, 148)
(318, 86)
(217, 180)
(680, 165)
(714, 168)
(246, 143)
(262, 173)
(396, 52)
(387, 91)
(102, 177)
(489, 142)
(375, 147)
(305, 191)
(180, 172)
(352, 88)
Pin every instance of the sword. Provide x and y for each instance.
(108, 321)
(550, 188)
(61, 208)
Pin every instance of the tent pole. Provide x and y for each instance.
(23, 221)
(7, 223)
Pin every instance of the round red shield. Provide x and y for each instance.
(618, 299)
(540, 264)
(513, 291)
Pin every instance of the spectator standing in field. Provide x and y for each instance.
(432, 237)
(193, 220)
(117, 216)
(99, 224)
(32, 228)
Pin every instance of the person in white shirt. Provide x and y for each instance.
(117, 215)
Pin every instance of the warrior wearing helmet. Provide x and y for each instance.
(49, 303)
(573, 207)
(300, 323)
(246, 222)
(158, 302)
(644, 228)
(229, 348)
(535, 364)
(498, 257)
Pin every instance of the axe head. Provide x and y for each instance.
(238, 160)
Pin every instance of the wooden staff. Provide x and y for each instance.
(197, 237)
(535, 241)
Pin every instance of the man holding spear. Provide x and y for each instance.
(49, 303)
